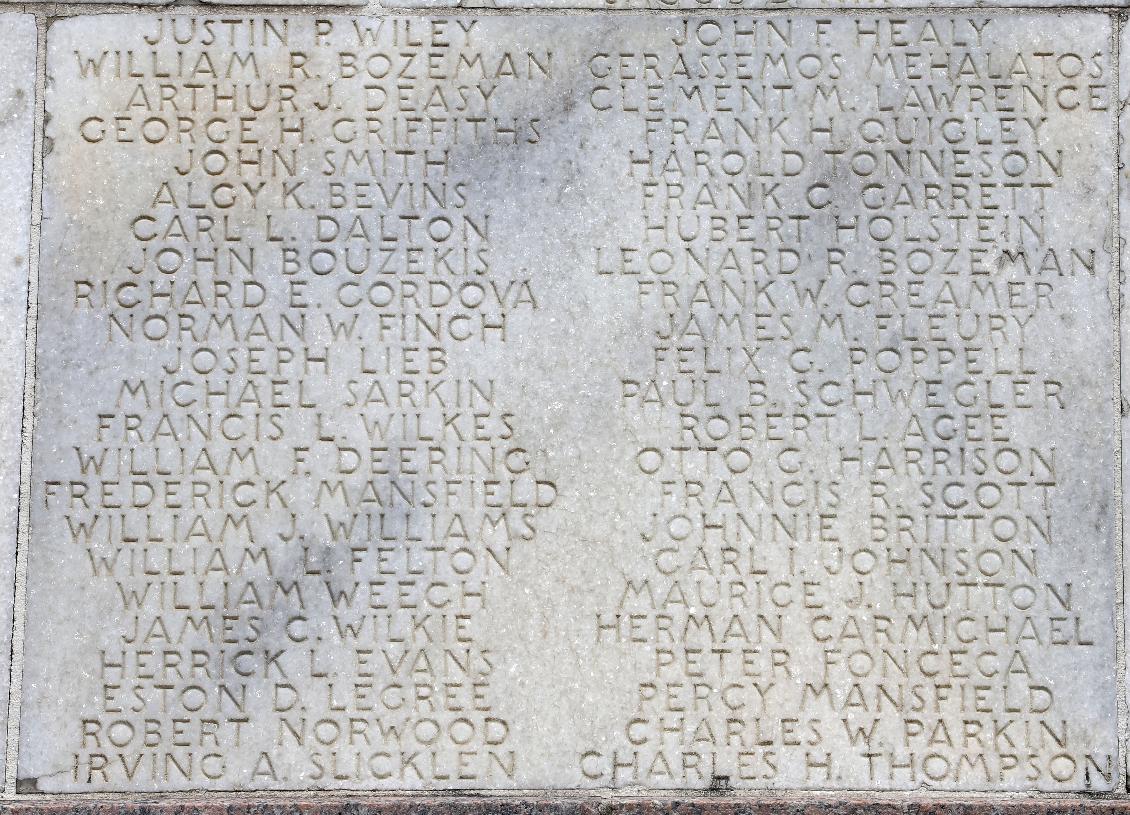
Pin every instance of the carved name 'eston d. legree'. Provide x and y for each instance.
(575, 402)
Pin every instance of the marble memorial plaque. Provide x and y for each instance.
(564, 402)
(17, 104)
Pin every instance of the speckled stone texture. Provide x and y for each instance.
(566, 402)
(1124, 245)
(720, 6)
(17, 103)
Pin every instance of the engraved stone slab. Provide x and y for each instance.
(17, 111)
(569, 402)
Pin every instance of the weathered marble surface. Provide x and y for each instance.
(728, 6)
(17, 104)
(626, 401)
(342, 3)
(83, 2)
(1120, 293)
